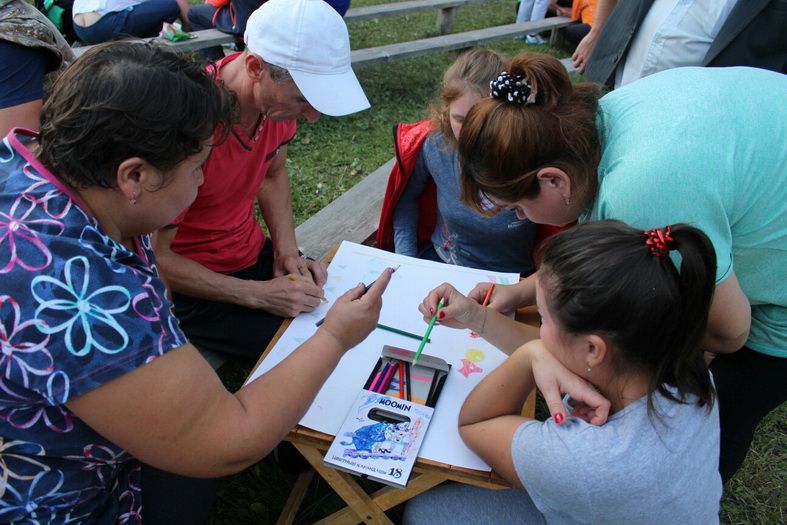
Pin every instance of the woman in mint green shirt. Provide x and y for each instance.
(702, 146)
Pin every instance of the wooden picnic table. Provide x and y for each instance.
(370, 508)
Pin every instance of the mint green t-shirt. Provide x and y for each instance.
(706, 147)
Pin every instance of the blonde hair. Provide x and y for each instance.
(471, 72)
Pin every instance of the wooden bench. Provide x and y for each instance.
(387, 53)
(477, 37)
(445, 15)
(204, 38)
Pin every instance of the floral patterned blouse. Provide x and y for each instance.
(77, 310)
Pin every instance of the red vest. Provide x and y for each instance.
(408, 139)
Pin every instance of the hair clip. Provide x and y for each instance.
(659, 240)
(512, 88)
(486, 203)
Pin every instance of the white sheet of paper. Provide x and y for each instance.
(471, 358)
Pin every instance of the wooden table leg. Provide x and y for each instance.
(297, 494)
(388, 497)
(346, 487)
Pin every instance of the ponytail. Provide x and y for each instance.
(508, 137)
(608, 278)
(684, 364)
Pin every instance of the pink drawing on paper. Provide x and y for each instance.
(469, 361)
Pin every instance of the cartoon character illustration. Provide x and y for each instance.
(397, 441)
(381, 440)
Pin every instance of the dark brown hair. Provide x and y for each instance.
(471, 72)
(504, 144)
(123, 100)
(602, 278)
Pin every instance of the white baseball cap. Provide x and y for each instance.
(309, 39)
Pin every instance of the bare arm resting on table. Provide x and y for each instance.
(279, 296)
(175, 414)
(275, 202)
(491, 413)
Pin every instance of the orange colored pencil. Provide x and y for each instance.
(488, 295)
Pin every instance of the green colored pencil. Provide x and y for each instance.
(400, 332)
(428, 332)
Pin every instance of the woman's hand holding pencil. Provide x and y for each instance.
(505, 298)
(354, 315)
(457, 312)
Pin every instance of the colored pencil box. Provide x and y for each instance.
(381, 436)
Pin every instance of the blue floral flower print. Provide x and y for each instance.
(23, 348)
(103, 460)
(51, 200)
(133, 514)
(7, 153)
(87, 315)
(147, 304)
(130, 499)
(106, 247)
(20, 243)
(42, 502)
(17, 461)
(22, 408)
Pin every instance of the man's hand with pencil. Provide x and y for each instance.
(354, 315)
(305, 267)
(285, 296)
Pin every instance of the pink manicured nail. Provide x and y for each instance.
(431, 310)
(558, 418)
(441, 314)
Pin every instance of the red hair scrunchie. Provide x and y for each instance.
(660, 241)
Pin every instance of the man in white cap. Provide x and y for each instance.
(231, 286)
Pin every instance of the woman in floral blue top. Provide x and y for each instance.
(95, 373)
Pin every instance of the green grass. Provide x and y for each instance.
(329, 157)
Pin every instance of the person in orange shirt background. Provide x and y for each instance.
(582, 12)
